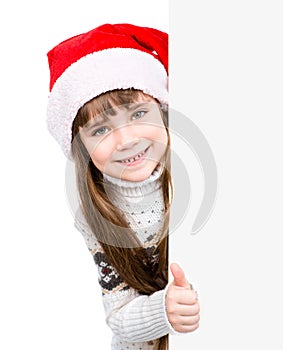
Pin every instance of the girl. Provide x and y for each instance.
(107, 109)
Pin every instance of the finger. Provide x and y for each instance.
(185, 297)
(179, 276)
(185, 310)
(182, 321)
(189, 320)
(186, 328)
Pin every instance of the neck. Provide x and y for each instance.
(136, 189)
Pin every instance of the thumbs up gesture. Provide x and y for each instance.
(181, 302)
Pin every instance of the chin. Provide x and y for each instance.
(138, 176)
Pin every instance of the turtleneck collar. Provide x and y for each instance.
(136, 189)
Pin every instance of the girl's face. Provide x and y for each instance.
(127, 142)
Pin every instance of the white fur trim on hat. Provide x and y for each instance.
(96, 73)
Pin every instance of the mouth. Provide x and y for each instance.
(135, 159)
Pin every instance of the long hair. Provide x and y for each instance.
(107, 222)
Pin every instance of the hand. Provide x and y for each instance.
(181, 302)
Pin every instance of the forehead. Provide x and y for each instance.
(125, 102)
(112, 107)
(107, 104)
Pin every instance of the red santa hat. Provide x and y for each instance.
(111, 56)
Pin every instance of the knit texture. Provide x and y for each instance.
(136, 320)
(109, 57)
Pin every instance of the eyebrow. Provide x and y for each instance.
(132, 106)
(104, 117)
(97, 122)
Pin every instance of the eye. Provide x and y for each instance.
(100, 131)
(138, 115)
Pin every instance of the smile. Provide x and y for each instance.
(134, 158)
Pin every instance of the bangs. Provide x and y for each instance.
(105, 103)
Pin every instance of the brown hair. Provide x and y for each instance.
(121, 246)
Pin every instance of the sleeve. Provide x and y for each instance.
(132, 317)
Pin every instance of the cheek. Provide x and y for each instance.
(164, 137)
(100, 156)
(100, 153)
(159, 135)
(151, 131)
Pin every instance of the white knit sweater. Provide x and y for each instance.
(135, 319)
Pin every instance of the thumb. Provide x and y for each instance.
(179, 276)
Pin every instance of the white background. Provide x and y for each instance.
(226, 75)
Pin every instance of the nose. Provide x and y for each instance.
(125, 138)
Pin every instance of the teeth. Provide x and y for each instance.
(131, 160)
